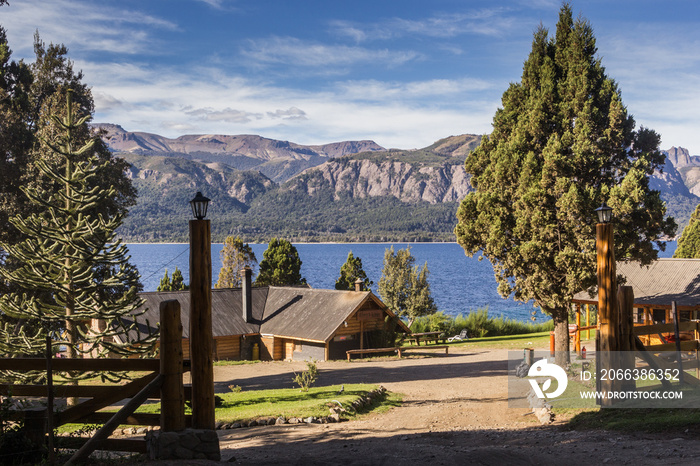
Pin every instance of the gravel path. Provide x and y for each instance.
(454, 412)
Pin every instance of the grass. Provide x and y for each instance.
(228, 362)
(290, 402)
(534, 340)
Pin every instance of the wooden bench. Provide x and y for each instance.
(370, 350)
(408, 348)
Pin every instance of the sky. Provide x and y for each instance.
(402, 73)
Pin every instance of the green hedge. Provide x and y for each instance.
(478, 324)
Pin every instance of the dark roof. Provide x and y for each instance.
(295, 312)
(307, 313)
(228, 320)
(659, 283)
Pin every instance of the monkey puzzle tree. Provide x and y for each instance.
(81, 280)
(562, 144)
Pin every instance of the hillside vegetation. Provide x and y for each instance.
(346, 191)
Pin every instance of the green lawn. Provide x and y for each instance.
(534, 340)
(291, 402)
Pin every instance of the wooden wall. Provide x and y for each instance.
(267, 348)
(354, 324)
(224, 348)
(227, 348)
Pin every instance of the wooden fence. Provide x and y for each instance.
(679, 337)
(162, 380)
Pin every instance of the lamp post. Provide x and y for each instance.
(607, 335)
(201, 337)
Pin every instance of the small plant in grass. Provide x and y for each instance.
(306, 379)
(235, 388)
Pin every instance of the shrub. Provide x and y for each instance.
(306, 379)
(478, 324)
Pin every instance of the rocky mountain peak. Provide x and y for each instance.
(680, 157)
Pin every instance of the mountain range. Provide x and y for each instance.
(343, 191)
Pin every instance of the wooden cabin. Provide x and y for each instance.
(655, 287)
(286, 323)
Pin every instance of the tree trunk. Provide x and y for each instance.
(561, 336)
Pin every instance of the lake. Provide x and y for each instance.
(458, 283)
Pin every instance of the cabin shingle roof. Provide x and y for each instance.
(661, 282)
(307, 313)
(294, 312)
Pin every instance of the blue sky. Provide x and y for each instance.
(402, 73)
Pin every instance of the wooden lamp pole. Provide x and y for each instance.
(608, 319)
(201, 336)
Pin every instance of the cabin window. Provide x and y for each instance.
(659, 316)
(298, 347)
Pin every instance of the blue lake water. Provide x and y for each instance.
(458, 283)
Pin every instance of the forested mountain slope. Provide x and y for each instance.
(261, 188)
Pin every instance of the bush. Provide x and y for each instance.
(478, 324)
(307, 378)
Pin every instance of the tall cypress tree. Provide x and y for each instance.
(689, 242)
(78, 270)
(281, 265)
(562, 144)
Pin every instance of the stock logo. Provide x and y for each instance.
(542, 368)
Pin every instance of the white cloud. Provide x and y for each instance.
(404, 115)
(296, 52)
(292, 113)
(373, 90)
(228, 115)
(493, 22)
(82, 26)
(656, 66)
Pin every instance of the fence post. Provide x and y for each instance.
(676, 323)
(625, 298)
(172, 414)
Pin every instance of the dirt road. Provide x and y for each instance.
(455, 411)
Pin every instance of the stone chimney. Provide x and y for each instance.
(247, 294)
(358, 285)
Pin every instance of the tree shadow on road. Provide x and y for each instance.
(378, 373)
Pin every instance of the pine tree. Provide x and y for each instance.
(350, 271)
(562, 145)
(176, 284)
(178, 281)
(281, 265)
(165, 284)
(235, 256)
(16, 141)
(404, 287)
(70, 257)
(689, 242)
